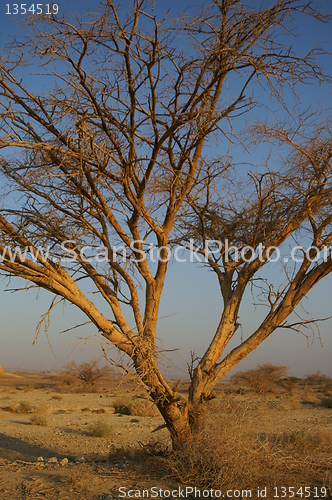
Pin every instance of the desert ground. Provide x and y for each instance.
(63, 437)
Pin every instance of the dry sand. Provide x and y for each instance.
(98, 466)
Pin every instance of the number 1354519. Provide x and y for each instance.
(38, 8)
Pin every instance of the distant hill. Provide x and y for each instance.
(3, 373)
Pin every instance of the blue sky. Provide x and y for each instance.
(191, 304)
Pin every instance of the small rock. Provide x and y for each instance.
(52, 460)
(64, 462)
(40, 459)
(80, 460)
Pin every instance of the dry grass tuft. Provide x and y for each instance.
(66, 380)
(326, 402)
(40, 420)
(42, 408)
(289, 383)
(24, 407)
(292, 404)
(143, 408)
(101, 429)
(318, 379)
(136, 407)
(228, 454)
(10, 408)
(121, 406)
(57, 397)
(305, 442)
(78, 478)
(21, 407)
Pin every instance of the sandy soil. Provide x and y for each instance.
(31, 456)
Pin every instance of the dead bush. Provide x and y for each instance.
(101, 429)
(326, 402)
(40, 420)
(121, 406)
(292, 404)
(21, 407)
(42, 408)
(228, 454)
(304, 442)
(66, 379)
(289, 383)
(24, 407)
(57, 397)
(10, 408)
(262, 379)
(136, 408)
(78, 478)
(143, 408)
(84, 376)
(88, 373)
(318, 379)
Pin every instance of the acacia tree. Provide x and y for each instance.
(119, 150)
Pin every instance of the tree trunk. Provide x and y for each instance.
(183, 418)
(184, 421)
(176, 416)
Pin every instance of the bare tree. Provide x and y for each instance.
(119, 152)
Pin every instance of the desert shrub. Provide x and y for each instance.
(121, 406)
(101, 429)
(263, 378)
(39, 420)
(215, 405)
(305, 442)
(78, 478)
(318, 379)
(300, 439)
(42, 408)
(66, 379)
(24, 407)
(227, 454)
(136, 407)
(87, 373)
(292, 404)
(289, 383)
(323, 437)
(143, 408)
(10, 408)
(326, 402)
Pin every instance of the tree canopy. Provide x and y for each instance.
(130, 146)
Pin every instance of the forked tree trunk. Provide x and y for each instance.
(183, 417)
(184, 421)
(176, 417)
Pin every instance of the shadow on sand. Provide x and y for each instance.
(13, 448)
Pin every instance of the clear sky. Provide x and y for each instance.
(191, 302)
